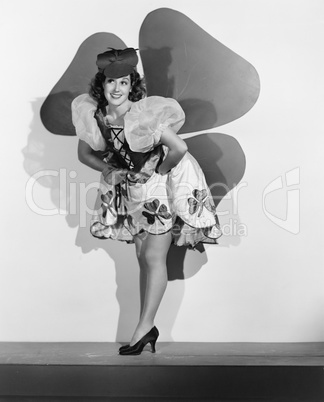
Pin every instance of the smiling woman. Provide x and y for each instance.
(153, 192)
(116, 91)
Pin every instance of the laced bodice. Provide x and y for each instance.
(118, 138)
(136, 145)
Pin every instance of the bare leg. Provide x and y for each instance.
(143, 269)
(152, 251)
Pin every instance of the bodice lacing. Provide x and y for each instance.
(118, 137)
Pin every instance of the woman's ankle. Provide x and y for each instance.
(141, 330)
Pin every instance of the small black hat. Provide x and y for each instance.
(116, 63)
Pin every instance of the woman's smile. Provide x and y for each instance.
(117, 90)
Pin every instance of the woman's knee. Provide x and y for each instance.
(146, 256)
(153, 253)
(153, 258)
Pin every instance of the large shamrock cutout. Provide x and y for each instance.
(213, 84)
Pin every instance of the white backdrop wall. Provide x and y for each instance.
(263, 283)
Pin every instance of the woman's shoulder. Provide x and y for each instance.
(155, 110)
(86, 127)
(84, 100)
(154, 101)
(148, 118)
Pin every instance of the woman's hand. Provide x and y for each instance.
(139, 177)
(114, 175)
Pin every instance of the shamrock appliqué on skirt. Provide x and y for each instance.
(156, 211)
(109, 213)
(106, 202)
(200, 200)
(129, 221)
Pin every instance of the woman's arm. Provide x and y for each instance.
(111, 174)
(86, 156)
(177, 149)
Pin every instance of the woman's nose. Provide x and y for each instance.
(116, 89)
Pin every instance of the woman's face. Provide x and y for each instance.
(116, 90)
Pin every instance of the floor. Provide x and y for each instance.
(87, 372)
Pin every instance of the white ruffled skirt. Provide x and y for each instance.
(180, 202)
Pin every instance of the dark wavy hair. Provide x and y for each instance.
(96, 91)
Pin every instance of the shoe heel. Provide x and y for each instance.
(153, 346)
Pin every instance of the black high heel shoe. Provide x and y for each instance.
(137, 349)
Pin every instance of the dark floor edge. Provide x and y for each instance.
(218, 382)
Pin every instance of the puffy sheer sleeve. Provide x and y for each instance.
(86, 127)
(147, 120)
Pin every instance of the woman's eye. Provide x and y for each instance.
(110, 81)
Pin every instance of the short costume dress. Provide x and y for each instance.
(146, 201)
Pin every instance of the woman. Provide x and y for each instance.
(153, 192)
